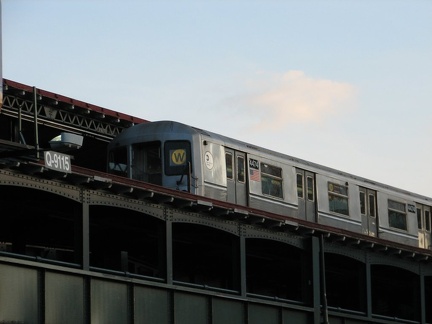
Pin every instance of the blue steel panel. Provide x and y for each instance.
(64, 299)
(152, 306)
(226, 311)
(18, 295)
(190, 309)
(109, 303)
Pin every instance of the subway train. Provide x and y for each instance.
(183, 157)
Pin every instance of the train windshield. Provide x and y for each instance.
(117, 161)
(146, 164)
(177, 157)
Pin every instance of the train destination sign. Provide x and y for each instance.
(58, 161)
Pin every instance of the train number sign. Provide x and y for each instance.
(58, 161)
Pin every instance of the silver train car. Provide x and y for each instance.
(186, 158)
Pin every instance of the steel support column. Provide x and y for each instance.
(169, 247)
(85, 230)
(242, 256)
(368, 288)
(315, 247)
(422, 297)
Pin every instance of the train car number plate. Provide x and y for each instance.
(58, 161)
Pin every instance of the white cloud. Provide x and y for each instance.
(293, 97)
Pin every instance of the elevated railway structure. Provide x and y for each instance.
(84, 246)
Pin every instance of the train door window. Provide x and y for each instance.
(271, 180)
(300, 188)
(117, 161)
(368, 202)
(397, 215)
(146, 162)
(240, 169)
(310, 188)
(338, 198)
(423, 217)
(427, 215)
(372, 205)
(229, 165)
(177, 157)
(362, 202)
(419, 218)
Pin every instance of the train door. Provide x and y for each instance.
(368, 210)
(424, 226)
(236, 176)
(306, 195)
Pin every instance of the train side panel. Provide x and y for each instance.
(272, 186)
(212, 162)
(338, 203)
(397, 219)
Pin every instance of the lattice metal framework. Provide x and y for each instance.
(63, 113)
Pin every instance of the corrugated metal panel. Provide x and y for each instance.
(152, 306)
(18, 295)
(299, 317)
(64, 299)
(190, 309)
(227, 311)
(259, 314)
(109, 303)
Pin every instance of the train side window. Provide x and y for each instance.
(310, 188)
(300, 188)
(271, 180)
(338, 198)
(229, 165)
(397, 215)
(240, 169)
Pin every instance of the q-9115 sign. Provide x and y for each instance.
(58, 161)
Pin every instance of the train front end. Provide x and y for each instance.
(160, 153)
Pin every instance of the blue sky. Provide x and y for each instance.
(346, 84)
